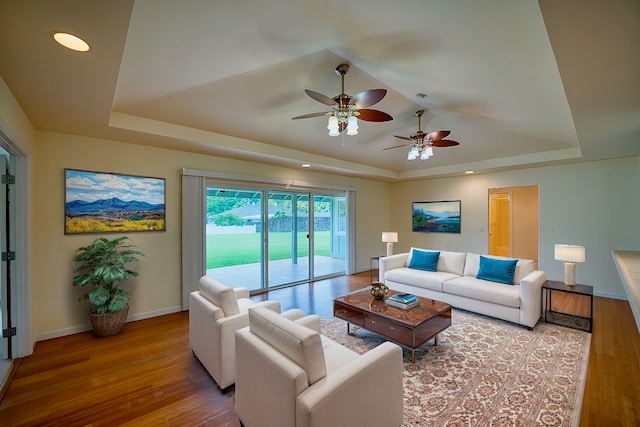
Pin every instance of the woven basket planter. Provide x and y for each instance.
(108, 324)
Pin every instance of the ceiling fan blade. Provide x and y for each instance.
(368, 98)
(397, 146)
(445, 143)
(439, 134)
(373, 115)
(404, 137)
(308, 116)
(321, 98)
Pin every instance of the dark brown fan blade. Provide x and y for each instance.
(373, 115)
(342, 126)
(368, 98)
(439, 134)
(308, 116)
(321, 98)
(404, 137)
(445, 143)
(397, 146)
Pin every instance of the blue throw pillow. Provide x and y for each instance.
(424, 260)
(497, 270)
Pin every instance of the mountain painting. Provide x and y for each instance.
(104, 202)
(436, 217)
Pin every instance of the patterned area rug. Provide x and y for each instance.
(486, 372)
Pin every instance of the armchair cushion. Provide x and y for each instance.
(221, 295)
(299, 343)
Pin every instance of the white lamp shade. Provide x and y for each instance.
(569, 253)
(389, 237)
(352, 126)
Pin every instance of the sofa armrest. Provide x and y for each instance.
(344, 397)
(390, 262)
(241, 292)
(531, 298)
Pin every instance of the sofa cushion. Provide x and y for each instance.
(221, 295)
(523, 267)
(449, 262)
(424, 260)
(497, 270)
(419, 278)
(299, 343)
(484, 290)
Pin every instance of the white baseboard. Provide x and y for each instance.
(87, 327)
(608, 295)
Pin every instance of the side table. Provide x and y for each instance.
(559, 316)
(377, 261)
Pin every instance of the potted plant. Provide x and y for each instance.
(103, 265)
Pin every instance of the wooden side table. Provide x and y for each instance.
(556, 315)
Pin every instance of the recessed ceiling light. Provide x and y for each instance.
(306, 165)
(468, 172)
(71, 42)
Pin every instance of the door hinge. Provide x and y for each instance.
(8, 179)
(8, 256)
(9, 332)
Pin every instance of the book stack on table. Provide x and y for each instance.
(403, 301)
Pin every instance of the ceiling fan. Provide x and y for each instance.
(422, 142)
(346, 110)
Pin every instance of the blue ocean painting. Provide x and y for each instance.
(440, 217)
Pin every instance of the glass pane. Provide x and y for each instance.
(330, 235)
(288, 241)
(234, 237)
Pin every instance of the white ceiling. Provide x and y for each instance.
(518, 83)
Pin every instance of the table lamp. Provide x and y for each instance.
(570, 254)
(389, 237)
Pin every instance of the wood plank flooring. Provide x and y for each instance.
(147, 376)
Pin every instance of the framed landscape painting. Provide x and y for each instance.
(436, 217)
(106, 202)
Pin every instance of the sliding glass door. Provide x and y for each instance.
(262, 239)
(234, 236)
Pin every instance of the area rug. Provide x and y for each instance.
(487, 372)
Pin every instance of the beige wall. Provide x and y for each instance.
(595, 204)
(55, 305)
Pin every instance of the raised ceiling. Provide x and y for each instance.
(518, 83)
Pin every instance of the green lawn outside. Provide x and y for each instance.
(225, 250)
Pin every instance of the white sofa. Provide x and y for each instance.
(455, 283)
(216, 312)
(288, 374)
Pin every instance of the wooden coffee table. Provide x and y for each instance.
(410, 328)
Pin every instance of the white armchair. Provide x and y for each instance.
(216, 312)
(288, 374)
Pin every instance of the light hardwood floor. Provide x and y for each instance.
(147, 376)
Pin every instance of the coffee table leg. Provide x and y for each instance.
(435, 341)
(348, 329)
(413, 356)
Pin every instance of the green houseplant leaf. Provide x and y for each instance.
(103, 265)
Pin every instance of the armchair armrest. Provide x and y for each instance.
(241, 292)
(531, 297)
(311, 321)
(344, 397)
(390, 262)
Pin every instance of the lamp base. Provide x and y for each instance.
(389, 249)
(570, 273)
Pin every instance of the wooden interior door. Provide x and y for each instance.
(500, 224)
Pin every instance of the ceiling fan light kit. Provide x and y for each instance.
(422, 143)
(346, 109)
